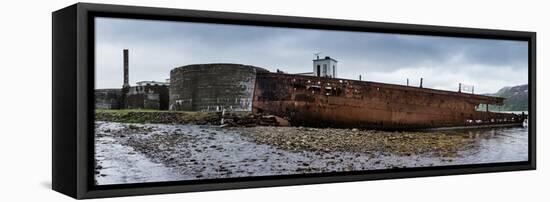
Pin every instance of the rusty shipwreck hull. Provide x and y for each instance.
(328, 102)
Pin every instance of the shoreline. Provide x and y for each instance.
(195, 152)
(236, 119)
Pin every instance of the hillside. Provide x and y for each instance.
(517, 98)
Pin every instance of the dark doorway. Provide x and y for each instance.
(318, 70)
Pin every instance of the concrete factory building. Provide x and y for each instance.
(198, 87)
(213, 87)
(145, 95)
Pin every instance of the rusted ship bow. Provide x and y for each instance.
(331, 102)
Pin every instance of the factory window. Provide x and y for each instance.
(333, 71)
(324, 69)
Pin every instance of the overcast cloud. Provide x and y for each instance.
(156, 47)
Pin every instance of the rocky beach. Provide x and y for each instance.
(135, 153)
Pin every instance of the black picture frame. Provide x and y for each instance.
(73, 109)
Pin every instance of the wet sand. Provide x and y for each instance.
(134, 153)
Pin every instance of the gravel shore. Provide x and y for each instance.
(408, 143)
(132, 153)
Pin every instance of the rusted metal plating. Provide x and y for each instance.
(329, 102)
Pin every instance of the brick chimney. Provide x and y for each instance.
(126, 82)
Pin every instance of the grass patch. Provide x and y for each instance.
(161, 116)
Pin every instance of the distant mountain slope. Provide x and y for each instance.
(517, 98)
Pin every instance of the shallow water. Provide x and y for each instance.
(166, 152)
(496, 145)
(122, 164)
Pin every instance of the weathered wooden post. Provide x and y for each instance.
(223, 115)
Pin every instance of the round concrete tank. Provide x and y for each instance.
(212, 87)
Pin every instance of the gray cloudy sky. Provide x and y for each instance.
(156, 47)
